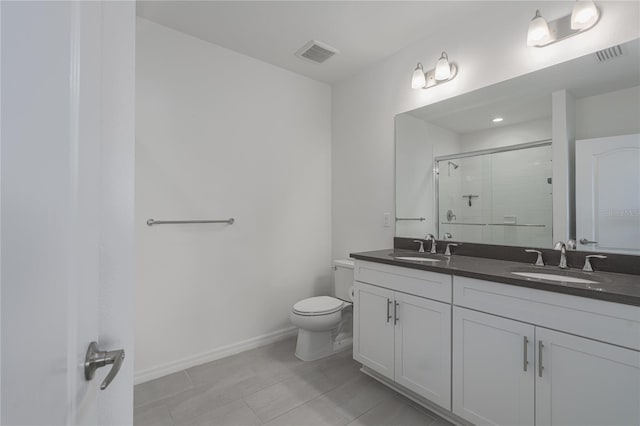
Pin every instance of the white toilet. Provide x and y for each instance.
(325, 323)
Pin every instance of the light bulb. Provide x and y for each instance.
(443, 69)
(538, 30)
(584, 14)
(418, 80)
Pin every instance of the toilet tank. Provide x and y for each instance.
(343, 278)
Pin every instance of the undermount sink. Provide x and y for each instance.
(416, 259)
(554, 277)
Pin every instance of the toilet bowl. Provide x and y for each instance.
(325, 323)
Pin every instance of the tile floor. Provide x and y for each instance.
(269, 385)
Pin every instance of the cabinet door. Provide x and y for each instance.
(373, 328)
(493, 369)
(423, 347)
(585, 382)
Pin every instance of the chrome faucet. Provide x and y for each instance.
(563, 254)
(430, 237)
(421, 249)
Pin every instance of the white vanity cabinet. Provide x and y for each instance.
(374, 331)
(404, 337)
(575, 380)
(493, 374)
(585, 382)
(498, 354)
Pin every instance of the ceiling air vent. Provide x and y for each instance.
(316, 51)
(609, 53)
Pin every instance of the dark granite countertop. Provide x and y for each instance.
(612, 287)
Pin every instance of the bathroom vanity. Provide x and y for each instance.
(472, 340)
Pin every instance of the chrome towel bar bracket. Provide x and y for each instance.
(152, 222)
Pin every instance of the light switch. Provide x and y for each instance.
(386, 220)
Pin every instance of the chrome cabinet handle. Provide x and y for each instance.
(539, 260)
(526, 361)
(395, 313)
(96, 358)
(584, 241)
(388, 310)
(540, 367)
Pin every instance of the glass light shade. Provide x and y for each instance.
(584, 14)
(443, 69)
(418, 80)
(538, 30)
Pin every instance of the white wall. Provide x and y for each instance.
(609, 114)
(417, 143)
(530, 131)
(486, 51)
(220, 134)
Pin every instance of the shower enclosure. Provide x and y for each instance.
(496, 196)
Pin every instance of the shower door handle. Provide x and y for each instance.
(96, 358)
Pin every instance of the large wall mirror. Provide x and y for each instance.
(547, 156)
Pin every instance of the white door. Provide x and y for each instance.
(493, 369)
(584, 382)
(608, 194)
(373, 328)
(67, 169)
(423, 347)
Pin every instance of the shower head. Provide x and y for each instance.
(451, 163)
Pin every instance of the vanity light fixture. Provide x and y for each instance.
(443, 72)
(443, 69)
(538, 33)
(497, 119)
(542, 33)
(584, 14)
(418, 80)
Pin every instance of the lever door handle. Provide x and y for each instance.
(584, 241)
(96, 358)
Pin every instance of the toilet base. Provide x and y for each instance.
(313, 345)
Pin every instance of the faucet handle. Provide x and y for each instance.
(447, 252)
(421, 249)
(587, 261)
(539, 260)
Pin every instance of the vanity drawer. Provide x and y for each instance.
(406, 280)
(596, 319)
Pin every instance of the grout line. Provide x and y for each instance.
(304, 402)
(155, 401)
(252, 410)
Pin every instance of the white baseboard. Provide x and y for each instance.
(204, 357)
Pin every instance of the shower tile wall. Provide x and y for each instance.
(512, 187)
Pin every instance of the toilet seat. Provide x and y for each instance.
(320, 305)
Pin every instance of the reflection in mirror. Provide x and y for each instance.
(459, 172)
(500, 196)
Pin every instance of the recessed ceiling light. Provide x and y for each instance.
(497, 119)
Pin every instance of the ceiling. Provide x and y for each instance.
(364, 32)
(528, 97)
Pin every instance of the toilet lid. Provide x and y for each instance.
(318, 305)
